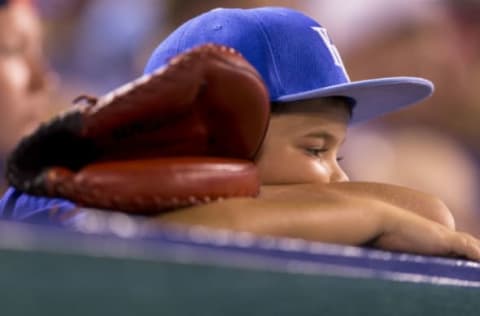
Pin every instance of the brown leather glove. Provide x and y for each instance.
(185, 134)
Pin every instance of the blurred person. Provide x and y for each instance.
(91, 47)
(24, 77)
(181, 10)
(465, 16)
(110, 43)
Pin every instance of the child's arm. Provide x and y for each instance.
(423, 204)
(331, 214)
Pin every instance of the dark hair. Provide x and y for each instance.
(3, 2)
(281, 107)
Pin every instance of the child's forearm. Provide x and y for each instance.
(417, 202)
(328, 220)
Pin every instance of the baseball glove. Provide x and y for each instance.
(183, 135)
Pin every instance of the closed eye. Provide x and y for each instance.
(315, 152)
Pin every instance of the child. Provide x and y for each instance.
(304, 192)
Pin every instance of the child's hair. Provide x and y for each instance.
(282, 107)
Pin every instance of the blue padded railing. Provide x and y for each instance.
(225, 265)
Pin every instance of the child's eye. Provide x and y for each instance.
(316, 152)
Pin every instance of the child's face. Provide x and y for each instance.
(302, 143)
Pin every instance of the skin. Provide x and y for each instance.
(306, 194)
(308, 139)
(24, 79)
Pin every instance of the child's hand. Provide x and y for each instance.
(412, 221)
(409, 232)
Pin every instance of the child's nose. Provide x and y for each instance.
(338, 175)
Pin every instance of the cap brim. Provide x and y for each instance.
(373, 97)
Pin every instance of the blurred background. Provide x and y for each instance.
(54, 50)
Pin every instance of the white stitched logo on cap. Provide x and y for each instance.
(332, 48)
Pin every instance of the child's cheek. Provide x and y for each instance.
(303, 168)
(312, 171)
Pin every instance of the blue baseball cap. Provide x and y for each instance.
(295, 57)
